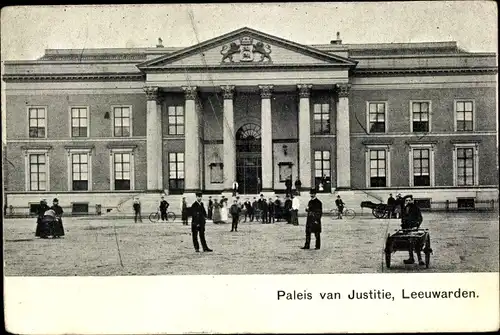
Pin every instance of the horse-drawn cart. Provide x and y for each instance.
(379, 211)
(408, 239)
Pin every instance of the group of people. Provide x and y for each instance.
(395, 206)
(49, 221)
(200, 215)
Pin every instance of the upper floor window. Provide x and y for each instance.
(420, 116)
(464, 115)
(176, 120)
(321, 118)
(122, 123)
(79, 122)
(37, 122)
(377, 117)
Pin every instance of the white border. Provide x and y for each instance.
(386, 123)
(429, 114)
(27, 175)
(69, 169)
(113, 121)
(28, 121)
(473, 115)
(112, 167)
(432, 149)
(475, 146)
(387, 149)
(70, 108)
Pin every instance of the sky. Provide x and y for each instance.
(27, 31)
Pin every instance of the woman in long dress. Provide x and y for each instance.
(216, 215)
(224, 213)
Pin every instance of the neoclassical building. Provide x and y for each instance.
(101, 125)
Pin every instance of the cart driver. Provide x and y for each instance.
(411, 218)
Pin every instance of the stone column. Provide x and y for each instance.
(266, 138)
(191, 142)
(343, 138)
(229, 140)
(305, 135)
(154, 149)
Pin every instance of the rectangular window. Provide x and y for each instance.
(37, 122)
(38, 172)
(420, 116)
(464, 115)
(79, 122)
(176, 120)
(376, 117)
(421, 167)
(466, 203)
(465, 166)
(322, 170)
(80, 172)
(80, 208)
(176, 171)
(122, 170)
(423, 203)
(122, 121)
(378, 170)
(321, 118)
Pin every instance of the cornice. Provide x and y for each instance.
(74, 77)
(244, 67)
(423, 71)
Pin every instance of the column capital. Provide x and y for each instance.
(266, 91)
(152, 93)
(304, 90)
(190, 92)
(343, 90)
(227, 91)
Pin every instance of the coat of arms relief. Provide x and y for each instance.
(247, 50)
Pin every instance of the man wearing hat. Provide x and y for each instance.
(411, 218)
(57, 226)
(199, 216)
(313, 224)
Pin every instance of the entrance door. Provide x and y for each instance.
(248, 158)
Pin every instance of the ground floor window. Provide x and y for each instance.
(421, 165)
(322, 171)
(377, 166)
(37, 170)
(176, 171)
(122, 169)
(80, 171)
(466, 165)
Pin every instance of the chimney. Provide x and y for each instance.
(160, 43)
(338, 40)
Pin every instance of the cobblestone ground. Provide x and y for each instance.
(461, 243)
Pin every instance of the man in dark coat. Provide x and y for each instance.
(288, 209)
(411, 218)
(255, 210)
(298, 185)
(263, 207)
(340, 206)
(235, 210)
(271, 210)
(277, 209)
(163, 208)
(199, 216)
(313, 224)
(42, 229)
(210, 208)
(57, 229)
(248, 210)
(391, 206)
(288, 185)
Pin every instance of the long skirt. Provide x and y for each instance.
(216, 216)
(224, 214)
(57, 228)
(42, 228)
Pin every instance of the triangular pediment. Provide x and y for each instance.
(246, 47)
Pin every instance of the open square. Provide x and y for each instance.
(461, 242)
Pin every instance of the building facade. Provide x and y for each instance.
(99, 125)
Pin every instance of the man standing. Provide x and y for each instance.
(298, 185)
(235, 213)
(288, 185)
(277, 209)
(248, 210)
(411, 218)
(263, 208)
(163, 208)
(210, 208)
(255, 210)
(313, 224)
(137, 210)
(340, 207)
(199, 216)
(235, 188)
(391, 204)
(288, 209)
(295, 211)
(57, 226)
(271, 209)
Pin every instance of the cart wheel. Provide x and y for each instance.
(350, 214)
(154, 217)
(378, 212)
(427, 251)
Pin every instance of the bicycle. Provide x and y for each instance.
(155, 216)
(346, 213)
